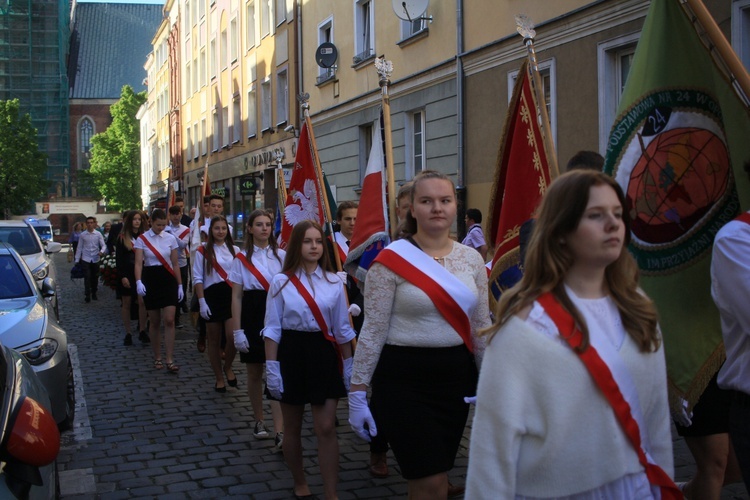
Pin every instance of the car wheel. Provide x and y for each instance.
(70, 403)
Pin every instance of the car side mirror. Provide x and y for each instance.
(48, 287)
(52, 246)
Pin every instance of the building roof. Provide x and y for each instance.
(108, 47)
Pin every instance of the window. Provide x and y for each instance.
(282, 97)
(201, 8)
(415, 143)
(195, 74)
(265, 110)
(266, 16)
(614, 60)
(203, 70)
(188, 80)
(186, 28)
(364, 33)
(225, 126)
(216, 131)
(223, 48)
(189, 143)
(196, 143)
(85, 133)
(280, 12)
(252, 116)
(325, 34)
(213, 58)
(193, 12)
(547, 71)
(741, 30)
(365, 146)
(236, 119)
(233, 51)
(204, 137)
(410, 28)
(250, 9)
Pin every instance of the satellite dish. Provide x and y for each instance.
(326, 55)
(409, 10)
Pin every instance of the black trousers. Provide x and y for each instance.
(91, 279)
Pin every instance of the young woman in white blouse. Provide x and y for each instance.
(308, 351)
(211, 267)
(572, 398)
(252, 271)
(158, 281)
(425, 301)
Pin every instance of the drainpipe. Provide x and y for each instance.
(298, 36)
(461, 187)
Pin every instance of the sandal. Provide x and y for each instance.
(173, 367)
(158, 364)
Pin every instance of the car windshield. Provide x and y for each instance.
(44, 232)
(20, 238)
(13, 284)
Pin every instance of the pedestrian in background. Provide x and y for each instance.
(474, 236)
(572, 398)
(132, 228)
(91, 247)
(252, 271)
(182, 233)
(425, 301)
(213, 260)
(308, 350)
(75, 234)
(158, 281)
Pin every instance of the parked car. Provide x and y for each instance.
(29, 438)
(27, 325)
(22, 236)
(43, 228)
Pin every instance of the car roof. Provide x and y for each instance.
(13, 223)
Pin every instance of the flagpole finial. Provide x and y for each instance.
(279, 154)
(525, 27)
(384, 68)
(303, 99)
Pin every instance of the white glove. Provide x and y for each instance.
(360, 415)
(683, 417)
(472, 400)
(205, 311)
(355, 310)
(274, 383)
(140, 288)
(348, 362)
(240, 341)
(342, 275)
(180, 293)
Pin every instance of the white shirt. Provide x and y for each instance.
(264, 260)
(183, 242)
(341, 241)
(163, 242)
(208, 277)
(287, 310)
(90, 244)
(730, 289)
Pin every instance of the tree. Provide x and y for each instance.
(22, 166)
(116, 155)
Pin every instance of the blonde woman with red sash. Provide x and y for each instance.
(425, 300)
(308, 351)
(158, 281)
(252, 271)
(572, 398)
(211, 267)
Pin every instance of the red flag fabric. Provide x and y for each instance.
(521, 178)
(304, 199)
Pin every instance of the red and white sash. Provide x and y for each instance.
(217, 266)
(254, 271)
(613, 378)
(318, 315)
(341, 246)
(454, 300)
(157, 254)
(744, 217)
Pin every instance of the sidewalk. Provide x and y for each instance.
(144, 433)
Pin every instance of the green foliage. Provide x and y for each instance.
(115, 154)
(22, 166)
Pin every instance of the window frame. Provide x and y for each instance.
(364, 31)
(282, 96)
(410, 139)
(252, 114)
(609, 54)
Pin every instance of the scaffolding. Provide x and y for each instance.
(34, 41)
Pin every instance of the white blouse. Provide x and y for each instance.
(208, 277)
(287, 310)
(264, 260)
(163, 242)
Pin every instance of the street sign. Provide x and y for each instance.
(248, 186)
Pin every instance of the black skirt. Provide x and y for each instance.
(418, 400)
(219, 299)
(161, 287)
(309, 368)
(253, 316)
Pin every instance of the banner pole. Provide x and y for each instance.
(385, 68)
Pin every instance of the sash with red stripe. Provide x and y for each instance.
(745, 217)
(158, 254)
(602, 375)
(254, 271)
(318, 315)
(217, 266)
(445, 303)
(185, 233)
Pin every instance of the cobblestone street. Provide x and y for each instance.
(146, 433)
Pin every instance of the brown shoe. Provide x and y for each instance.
(455, 490)
(201, 343)
(378, 465)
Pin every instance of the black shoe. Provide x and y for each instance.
(220, 389)
(128, 339)
(87, 299)
(144, 338)
(94, 297)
